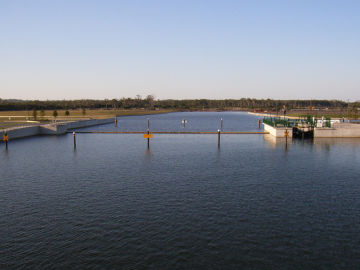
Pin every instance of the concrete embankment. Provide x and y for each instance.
(52, 129)
(278, 132)
(337, 130)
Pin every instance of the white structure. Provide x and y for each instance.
(278, 132)
(337, 130)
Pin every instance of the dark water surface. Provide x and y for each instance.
(183, 204)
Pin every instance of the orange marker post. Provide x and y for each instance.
(286, 134)
(148, 136)
(6, 139)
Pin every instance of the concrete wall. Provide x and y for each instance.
(61, 128)
(20, 132)
(278, 132)
(51, 129)
(338, 130)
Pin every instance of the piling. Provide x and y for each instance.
(286, 134)
(219, 138)
(148, 132)
(74, 136)
(183, 122)
(148, 139)
(259, 122)
(6, 139)
(116, 121)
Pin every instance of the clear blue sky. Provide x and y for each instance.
(180, 49)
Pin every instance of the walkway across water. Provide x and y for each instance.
(174, 132)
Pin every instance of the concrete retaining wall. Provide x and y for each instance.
(338, 130)
(51, 129)
(278, 132)
(61, 128)
(20, 132)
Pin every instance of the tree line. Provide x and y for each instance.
(187, 104)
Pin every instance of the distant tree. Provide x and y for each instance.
(150, 100)
(34, 113)
(83, 111)
(55, 113)
(42, 113)
(354, 111)
(67, 113)
(114, 103)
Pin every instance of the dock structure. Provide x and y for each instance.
(310, 127)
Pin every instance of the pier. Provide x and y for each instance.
(310, 127)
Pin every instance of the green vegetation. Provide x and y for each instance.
(291, 122)
(275, 121)
(190, 104)
(35, 114)
(317, 108)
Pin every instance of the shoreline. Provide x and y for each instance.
(62, 127)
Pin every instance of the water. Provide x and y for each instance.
(196, 121)
(183, 204)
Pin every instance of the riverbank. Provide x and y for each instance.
(57, 128)
(11, 119)
(22, 129)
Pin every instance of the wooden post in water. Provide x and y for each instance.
(259, 122)
(116, 121)
(219, 138)
(74, 136)
(6, 139)
(148, 139)
(183, 122)
(286, 134)
(148, 132)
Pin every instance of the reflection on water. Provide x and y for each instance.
(148, 154)
(315, 143)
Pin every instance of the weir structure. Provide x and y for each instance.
(311, 127)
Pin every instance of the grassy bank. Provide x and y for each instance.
(10, 119)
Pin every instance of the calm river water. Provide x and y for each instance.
(183, 204)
